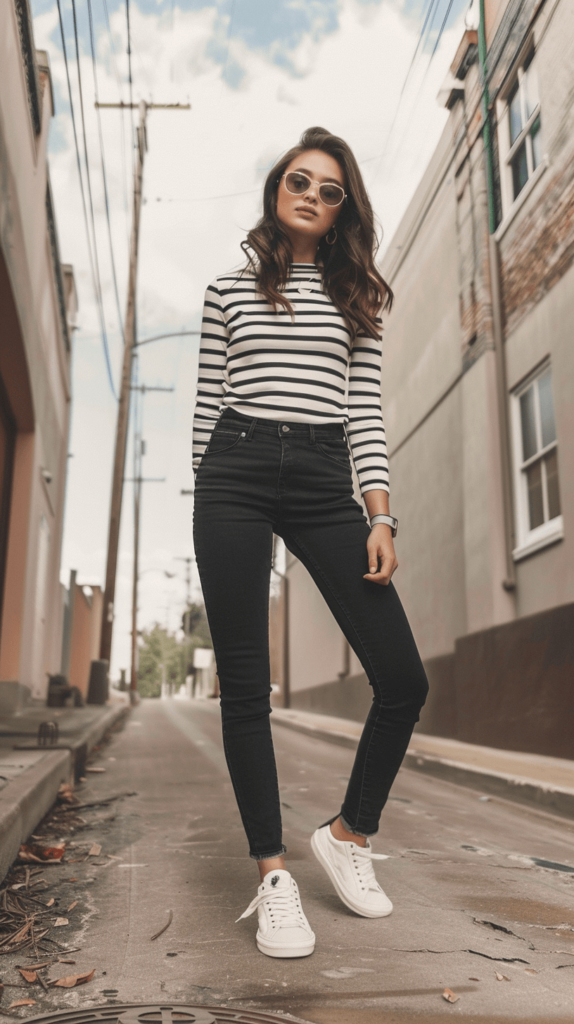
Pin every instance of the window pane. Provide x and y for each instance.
(552, 488)
(536, 136)
(530, 85)
(546, 409)
(519, 170)
(535, 506)
(515, 115)
(529, 445)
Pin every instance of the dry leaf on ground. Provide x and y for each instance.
(501, 977)
(72, 905)
(22, 1002)
(41, 854)
(529, 970)
(60, 922)
(450, 996)
(50, 902)
(98, 770)
(28, 975)
(94, 850)
(474, 979)
(73, 979)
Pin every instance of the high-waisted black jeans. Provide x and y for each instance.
(260, 477)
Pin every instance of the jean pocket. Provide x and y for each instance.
(222, 440)
(336, 451)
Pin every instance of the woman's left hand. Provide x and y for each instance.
(381, 553)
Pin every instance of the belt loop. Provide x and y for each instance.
(252, 426)
(311, 434)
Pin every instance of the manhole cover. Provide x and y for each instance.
(164, 1013)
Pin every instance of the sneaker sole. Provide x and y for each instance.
(284, 952)
(346, 899)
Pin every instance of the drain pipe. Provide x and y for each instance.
(509, 583)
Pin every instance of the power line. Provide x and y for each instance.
(432, 4)
(122, 122)
(90, 254)
(89, 183)
(130, 82)
(103, 165)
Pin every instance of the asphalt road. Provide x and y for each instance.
(473, 910)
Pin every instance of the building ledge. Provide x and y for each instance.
(545, 535)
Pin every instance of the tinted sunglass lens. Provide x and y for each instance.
(297, 183)
(332, 195)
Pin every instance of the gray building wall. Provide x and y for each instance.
(495, 629)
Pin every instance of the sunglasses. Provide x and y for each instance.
(298, 184)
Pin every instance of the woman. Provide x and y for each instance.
(289, 387)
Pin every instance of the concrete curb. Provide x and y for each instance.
(28, 797)
(553, 799)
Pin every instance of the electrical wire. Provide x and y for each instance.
(122, 121)
(84, 207)
(130, 85)
(431, 8)
(434, 50)
(88, 176)
(103, 166)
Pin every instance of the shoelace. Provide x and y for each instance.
(362, 862)
(286, 911)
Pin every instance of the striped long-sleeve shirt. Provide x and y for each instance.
(264, 363)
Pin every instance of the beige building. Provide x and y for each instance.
(478, 386)
(38, 304)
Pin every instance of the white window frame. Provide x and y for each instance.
(507, 152)
(528, 541)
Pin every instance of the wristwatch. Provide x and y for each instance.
(388, 520)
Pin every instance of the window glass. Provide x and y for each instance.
(546, 409)
(536, 137)
(529, 445)
(552, 488)
(530, 85)
(519, 170)
(535, 502)
(515, 115)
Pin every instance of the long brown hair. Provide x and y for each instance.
(350, 276)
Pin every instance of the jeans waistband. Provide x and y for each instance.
(313, 431)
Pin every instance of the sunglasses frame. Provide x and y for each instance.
(330, 206)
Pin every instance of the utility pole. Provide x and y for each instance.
(124, 399)
(138, 480)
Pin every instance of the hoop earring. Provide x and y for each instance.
(331, 241)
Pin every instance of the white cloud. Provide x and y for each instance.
(349, 81)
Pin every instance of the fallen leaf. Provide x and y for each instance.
(28, 975)
(72, 905)
(449, 995)
(529, 970)
(19, 885)
(98, 770)
(60, 961)
(50, 902)
(74, 979)
(95, 850)
(66, 794)
(474, 979)
(501, 977)
(22, 1002)
(60, 922)
(41, 854)
(37, 967)
(72, 879)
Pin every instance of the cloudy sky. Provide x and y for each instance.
(257, 73)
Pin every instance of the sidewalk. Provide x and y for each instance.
(29, 778)
(547, 782)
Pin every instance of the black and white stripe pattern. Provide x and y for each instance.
(263, 363)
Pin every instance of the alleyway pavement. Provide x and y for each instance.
(475, 911)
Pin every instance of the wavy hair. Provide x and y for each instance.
(350, 276)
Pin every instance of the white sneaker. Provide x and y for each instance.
(284, 930)
(350, 868)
